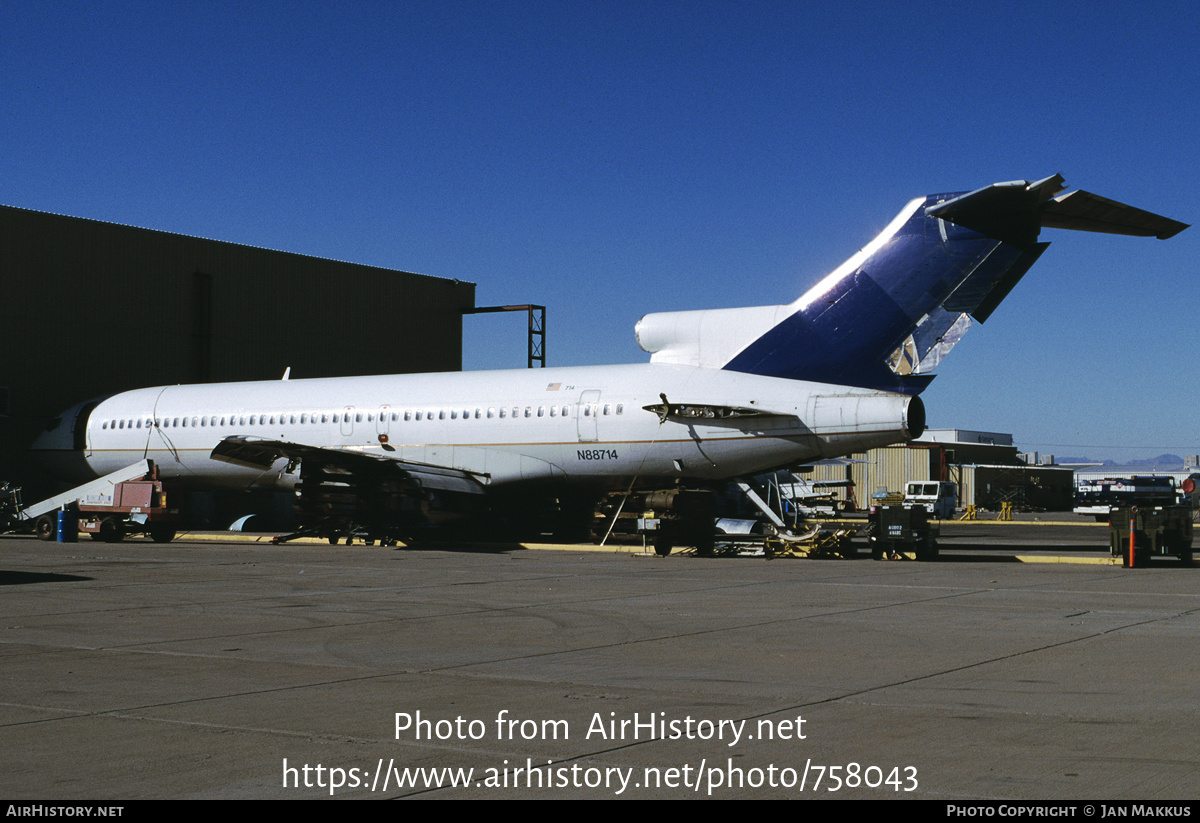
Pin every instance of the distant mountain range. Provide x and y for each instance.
(1163, 462)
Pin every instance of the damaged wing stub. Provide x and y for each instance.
(262, 454)
(701, 411)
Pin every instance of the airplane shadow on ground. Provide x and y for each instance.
(9, 578)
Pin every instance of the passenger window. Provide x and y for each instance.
(620, 408)
(607, 409)
(491, 413)
(503, 413)
(566, 411)
(528, 411)
(442, 414)
(554, 411)
(541, 411)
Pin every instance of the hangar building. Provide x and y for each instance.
(92, 308)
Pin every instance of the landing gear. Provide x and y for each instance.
(684, 517)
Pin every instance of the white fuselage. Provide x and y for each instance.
(579, 425)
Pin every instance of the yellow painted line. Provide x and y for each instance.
(1094, 561)
(244, 537)
(585, 547)
(1032, 558)
(1020, 523)
(265, 539)
(854, 522)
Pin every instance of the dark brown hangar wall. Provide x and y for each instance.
(91, 308)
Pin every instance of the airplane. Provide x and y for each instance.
(727, 392)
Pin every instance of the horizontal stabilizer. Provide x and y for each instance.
(1084, 211)
(1002, 209)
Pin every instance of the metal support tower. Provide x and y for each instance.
(537, 328)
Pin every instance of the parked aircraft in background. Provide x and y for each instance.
(727, 392)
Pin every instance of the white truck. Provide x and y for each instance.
(939, 497)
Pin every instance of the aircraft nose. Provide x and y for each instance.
(55, 437)
(60, 446)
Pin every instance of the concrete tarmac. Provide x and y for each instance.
(242, 670)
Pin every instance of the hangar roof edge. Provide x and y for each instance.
(4, 206)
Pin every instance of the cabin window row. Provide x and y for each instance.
(316, 418)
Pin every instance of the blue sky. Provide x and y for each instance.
(608, 159)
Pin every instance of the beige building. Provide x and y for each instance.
(985, 466)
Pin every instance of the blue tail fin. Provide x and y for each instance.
(888, 315)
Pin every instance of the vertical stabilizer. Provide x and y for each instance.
(886, 317)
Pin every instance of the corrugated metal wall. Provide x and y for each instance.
(894, 466)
